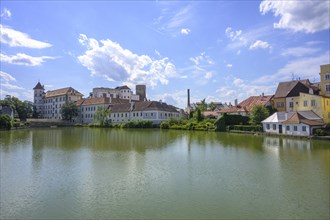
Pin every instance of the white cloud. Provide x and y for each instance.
(259, 44)
(10, 86)
(6, 83)
(208, 75)
(237, 88)
(299, 51)
(19, 39)
(305, 68)
(176, 98)
(229, 65)
(173, 18)
(307, 16)
(109, 60)
(23, 59)
(202, 59)
(185, 31)
(236, 36)
(5, 13)
(6, 76)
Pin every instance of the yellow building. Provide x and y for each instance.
(326, 109)
(306, 102)
(325, 91)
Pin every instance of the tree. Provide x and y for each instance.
(101, 114)
(258, 114)
(23, 109)
(202, 106)
(69, 110)
(5, 122)
(198, 115)
(212, 106)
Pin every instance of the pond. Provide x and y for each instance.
(88, 173)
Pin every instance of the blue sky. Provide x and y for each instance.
(220, 50)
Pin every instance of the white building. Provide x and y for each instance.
(156, 112)
(88, 107)
(49, 104)
(122, 92)
(292, 123)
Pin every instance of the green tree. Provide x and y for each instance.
(101, 114)
(198, 115)
(202, 106)
(24, 109)
(212, 106)
(6, 122)
(258, 114)
(69, 110)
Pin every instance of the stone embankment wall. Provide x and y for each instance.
(48, 123)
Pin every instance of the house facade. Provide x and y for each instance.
(286, 91)
(88, 107)
(156, 112)
(301, 123)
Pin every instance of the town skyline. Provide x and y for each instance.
(168, 46)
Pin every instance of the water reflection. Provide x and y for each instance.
(103, 139)
(79, 173)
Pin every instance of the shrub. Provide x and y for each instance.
(319, 132)
(245, 127)
(6, 122)
(16, 124)
(165, 125)
(137, 124)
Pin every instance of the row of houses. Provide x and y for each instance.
(123, 103)
(301, 106)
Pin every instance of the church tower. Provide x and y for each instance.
(39, 94)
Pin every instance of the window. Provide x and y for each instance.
(288, 128)
(327, 76)
(274, 126)
(152, 114)
(268, 126)
(303, 128)
(291, 104)
(327, 88)
(280, 104)
(295, 128)
(305, 103)
(313, 103)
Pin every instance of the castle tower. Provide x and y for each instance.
(39, 93)
(141, 91)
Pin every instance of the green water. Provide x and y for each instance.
(85, 173)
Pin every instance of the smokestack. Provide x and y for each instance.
(188, 101)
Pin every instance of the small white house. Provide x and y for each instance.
(292, 123)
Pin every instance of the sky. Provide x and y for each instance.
(220, 50)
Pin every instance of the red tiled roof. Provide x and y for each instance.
(63, 91)
(297, 118)
(248, 104)
(142, 106)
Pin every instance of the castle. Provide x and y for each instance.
(124, 104)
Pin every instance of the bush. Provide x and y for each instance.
(225, 120)
(6, 122)
(165, 125)
(245, 127)
(319, 132)
(16, 124)
(137, 124)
